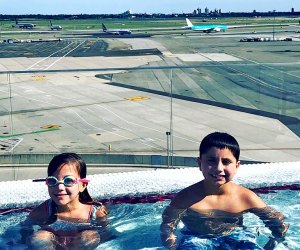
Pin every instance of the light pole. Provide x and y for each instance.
(274, 25)
(170, 133)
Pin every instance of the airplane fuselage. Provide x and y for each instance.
(115, 31)
(56, 27)
(118, 32)
(206, 27)
(24, 25)
(209, 28)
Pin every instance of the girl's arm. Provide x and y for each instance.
(39, 215)
(102, 223)
(26, 231)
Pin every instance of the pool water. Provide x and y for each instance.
(136, 226)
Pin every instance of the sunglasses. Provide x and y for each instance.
(68, 181)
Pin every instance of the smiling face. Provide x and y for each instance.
(218, 166)
(61, 194)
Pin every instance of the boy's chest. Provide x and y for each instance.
(229, 204)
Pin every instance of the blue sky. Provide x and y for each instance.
(140, 6)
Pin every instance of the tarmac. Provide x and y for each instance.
(108, 104)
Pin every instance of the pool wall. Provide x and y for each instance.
(108, 159)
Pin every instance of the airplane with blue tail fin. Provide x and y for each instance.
(116, 31)
(207, 28)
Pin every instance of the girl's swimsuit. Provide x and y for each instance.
(69, 226)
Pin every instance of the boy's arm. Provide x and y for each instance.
(274, 220)
(170, 219)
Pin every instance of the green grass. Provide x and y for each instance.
(95, 24)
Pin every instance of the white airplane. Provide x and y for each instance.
(55, 26)
(205, 27)
(23, 25)
(116, 31)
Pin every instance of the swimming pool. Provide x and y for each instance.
(137, 225)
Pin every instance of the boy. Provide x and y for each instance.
(214, 207)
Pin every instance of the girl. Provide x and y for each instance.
(70, 219)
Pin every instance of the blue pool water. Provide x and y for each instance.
(136, 226)
(135, 221)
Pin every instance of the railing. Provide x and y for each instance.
(162, 111)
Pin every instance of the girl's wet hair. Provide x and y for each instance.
(60, 160)
(220, 140)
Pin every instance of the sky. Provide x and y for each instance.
(53, 7)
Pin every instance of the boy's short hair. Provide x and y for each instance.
(220, 140)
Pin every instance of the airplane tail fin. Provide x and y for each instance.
(104, 27)
(189, 23)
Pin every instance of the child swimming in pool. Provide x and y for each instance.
(213, 208)
(70, 219)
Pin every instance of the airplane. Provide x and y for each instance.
(24, 25)
(115, 31)
(205, 28)
(55, 26)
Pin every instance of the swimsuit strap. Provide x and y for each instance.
(94, 208)
(91, 212)
(48, 205)
(49, 210)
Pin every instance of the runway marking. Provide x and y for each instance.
(4, 98)
(39, 78)
(9, 144)
(137, 140)
(253, 78)
(45, 67)
(204, 57)
(264, 83)
(266, 66)
(146, 127)
(137, 98)
(50, 126)
(64, 56)
(48, 56)
(28, 133)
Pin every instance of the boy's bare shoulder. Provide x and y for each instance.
(248, 197)
(187, 196)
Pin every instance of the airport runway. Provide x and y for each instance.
(130, 111)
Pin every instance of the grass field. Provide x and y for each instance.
(95, 24)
